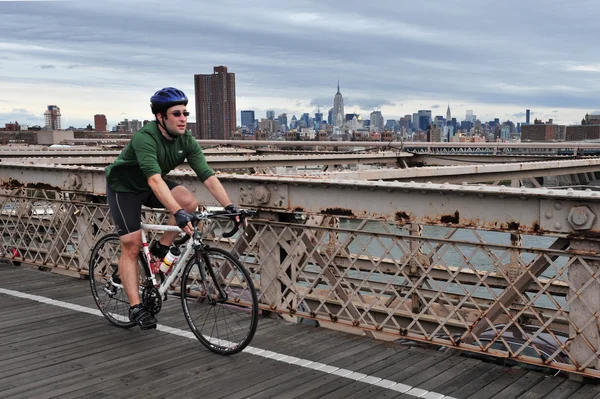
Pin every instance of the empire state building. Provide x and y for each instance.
(338, 108)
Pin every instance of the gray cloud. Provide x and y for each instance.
(23, 116)
(47, 66)
(366, 103)
(434, 106)
(523, 114)
(298, 51)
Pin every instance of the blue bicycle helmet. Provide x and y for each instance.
(166, 98)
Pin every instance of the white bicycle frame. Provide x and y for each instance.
(179, 264)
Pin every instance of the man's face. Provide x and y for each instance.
(176, 124)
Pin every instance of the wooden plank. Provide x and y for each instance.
(388, 366)
(228, 384)
(565, 390)
(428, 373)
(446, 377)
(352, 389)
(588, 390)
(542, 388)
(409, 369)
(159, 377)
(92, 380)
(473, 385)
(88, 369)
(462, 378)
(498, 384)
(520, 386)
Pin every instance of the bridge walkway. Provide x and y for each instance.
(54, 345)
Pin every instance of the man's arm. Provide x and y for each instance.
(217, 190)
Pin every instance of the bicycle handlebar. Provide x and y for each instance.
(242, 214)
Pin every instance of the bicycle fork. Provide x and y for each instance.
(220, 296)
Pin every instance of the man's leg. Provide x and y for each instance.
(128, 265)
(187, 201)
(129, 272)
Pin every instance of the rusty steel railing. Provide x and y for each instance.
(504, 294)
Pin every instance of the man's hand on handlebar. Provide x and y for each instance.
(235, 210)
(183, 220)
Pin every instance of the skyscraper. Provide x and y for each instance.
(52, 118)
(215, 104)
(338, 108)
(448, 114)
(248, 119)
(469, 116)
(100, 123)
(270, 114)
(527, 115)
(376, 121)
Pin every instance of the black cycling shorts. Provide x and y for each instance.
(126, 208)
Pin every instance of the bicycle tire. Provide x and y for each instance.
(236, 318)
(109, 294)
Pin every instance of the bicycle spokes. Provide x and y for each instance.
(219, 301)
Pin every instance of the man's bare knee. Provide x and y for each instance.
(185, 198)
(131, 243)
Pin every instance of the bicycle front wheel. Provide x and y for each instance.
(105, 281)
(221, 307)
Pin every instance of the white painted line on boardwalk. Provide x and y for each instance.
(353, 375)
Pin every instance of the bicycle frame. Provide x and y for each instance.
(179, 264)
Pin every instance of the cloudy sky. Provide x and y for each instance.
(496, 58)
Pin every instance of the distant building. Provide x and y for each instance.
(248, 120)
(423, 119)
(435, 134)
(582, 132)
(270, 114)
(100, 123)
(269, 127)
(11, 127)
(215, 104)
(21, 137)
(591, 120)
(283, 122)
(49, 137)
(52, 118)
(527, 116)
(376, 121)
(540, 131)
(338, 108)
(193, 128)
(129, 126)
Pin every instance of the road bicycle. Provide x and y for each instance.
(217, 293)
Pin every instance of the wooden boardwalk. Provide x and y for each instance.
(53, 344)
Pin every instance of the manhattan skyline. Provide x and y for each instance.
(495, 59)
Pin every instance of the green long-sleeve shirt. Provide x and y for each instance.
(149, 153)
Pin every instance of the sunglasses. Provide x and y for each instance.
(177, 114)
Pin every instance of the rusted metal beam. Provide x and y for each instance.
(243, 161)
(470, 159)
(431, 147)
(499, 208)
(474, 173)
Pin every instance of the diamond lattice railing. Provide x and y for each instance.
(503, 294)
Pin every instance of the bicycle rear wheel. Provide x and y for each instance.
(105, 281)
(225, 326)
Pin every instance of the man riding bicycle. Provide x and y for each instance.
(136, 178)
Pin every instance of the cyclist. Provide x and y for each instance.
(137, 177)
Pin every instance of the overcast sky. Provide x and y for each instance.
(497, 58)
